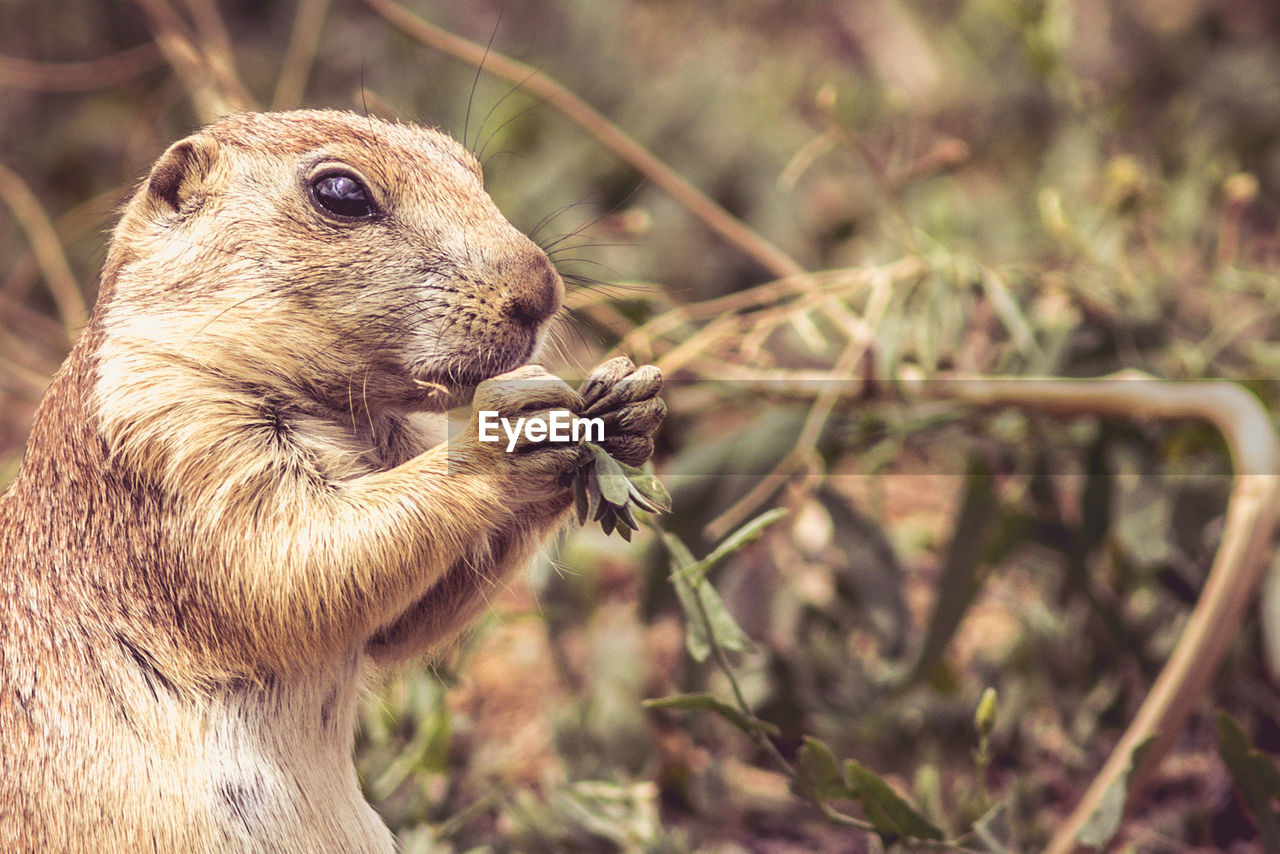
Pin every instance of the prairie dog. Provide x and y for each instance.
(228, 509)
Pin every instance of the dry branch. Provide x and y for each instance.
(79, 76)
(608, 134)
(208, 74)
(308, 25)
(49, 253)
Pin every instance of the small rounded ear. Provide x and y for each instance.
(182, 170)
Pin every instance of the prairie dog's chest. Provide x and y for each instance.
(272, 762)
(343, 451)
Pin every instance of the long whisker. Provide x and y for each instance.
(466, 122)
(494, 108)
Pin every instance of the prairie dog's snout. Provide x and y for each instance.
(536, 290)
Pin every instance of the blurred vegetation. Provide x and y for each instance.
(1000, 187)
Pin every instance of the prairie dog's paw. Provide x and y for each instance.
(517, 428)
(626, 398)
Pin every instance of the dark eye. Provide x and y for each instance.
(343, 196)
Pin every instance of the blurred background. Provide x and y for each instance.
(1066, 187)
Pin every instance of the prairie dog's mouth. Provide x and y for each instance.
(452, 381)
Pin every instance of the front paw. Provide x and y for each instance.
(626, 399)
(515, 431)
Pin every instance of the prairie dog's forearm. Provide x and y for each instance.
(337, 559)
(449, 605)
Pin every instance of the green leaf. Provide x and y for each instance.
(744, 536)
(1105, 820)
(705, 618)
(1096, 497)
(625, 515)
(984, 719)
(724, 627)
(696, 639)
(603, 510)
(891, 816)
(706, 702)
(581, 504)
(704, 612)
(614, 486)
(1255, 775)
(647, 486)
(638, 500)
(594, 498)
(960, 579)
(818, 774)
(864, 561)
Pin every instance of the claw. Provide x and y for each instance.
(604, 377)
(641, 384)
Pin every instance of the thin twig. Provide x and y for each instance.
(79, 76)
(694, 346)
(308, 25)
(608, 134)
(879, 172)
(212, 92)
(48, 250)
(767, 297)
(71, 225)
(859, 345)
(215, 42)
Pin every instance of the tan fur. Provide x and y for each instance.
(228, 507)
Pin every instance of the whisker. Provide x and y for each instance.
(489, 139)
(595, 221)
(556, 214)
(494, 108)
(466, 122)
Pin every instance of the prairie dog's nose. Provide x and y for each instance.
(536, 291)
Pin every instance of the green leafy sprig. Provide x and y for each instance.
(605, 491)
(816, 774)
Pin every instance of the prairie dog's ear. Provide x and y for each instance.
(182, 171)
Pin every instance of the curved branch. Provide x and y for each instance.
(1242, 554)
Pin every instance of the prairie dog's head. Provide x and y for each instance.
(330, 254)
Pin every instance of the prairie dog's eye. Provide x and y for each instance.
(342, 195)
